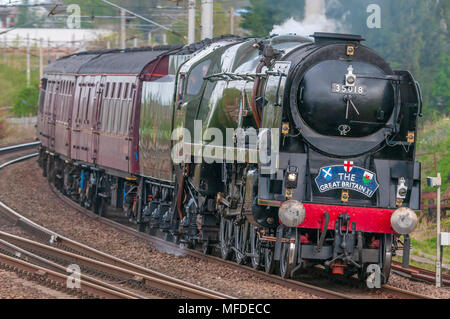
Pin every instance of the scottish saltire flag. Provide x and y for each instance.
(327, 173)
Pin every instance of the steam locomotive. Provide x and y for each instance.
(318, 166)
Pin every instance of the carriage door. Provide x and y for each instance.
(76, 118)
(96, 117)
(131, 132)
(53, 110)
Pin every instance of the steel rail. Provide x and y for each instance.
(178, 286)
(17, 147)
(44, 275)
(404, 294)
(419, 273)
(169, 246)
(19, 159)
(89, 263)
(54, 238)
(25, 255)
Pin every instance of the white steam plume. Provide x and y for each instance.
(315, 21)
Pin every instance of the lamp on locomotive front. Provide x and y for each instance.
(404, 220)
(292, 213)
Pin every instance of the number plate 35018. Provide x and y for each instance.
(339, 88)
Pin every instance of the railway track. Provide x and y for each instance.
(57, 280)
(293, 284)
(18, 147)
(21, 148)
(65, 250)
(419, 273)
(98, 261)
(169, 246)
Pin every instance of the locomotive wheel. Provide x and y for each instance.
(387, 258)
(288, 258)
(226, 237)
(102, 207)
(49, 169)
(140, 227)
(187, 244)
(151, 231)
(362, 273)
(176, 239)
(255, 248)
(96, 205)
(95, 200)
(206, 247)
(269, 262)
(44, 165)
(241, 242)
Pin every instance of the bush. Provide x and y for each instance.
(26, 101)
(2, 128)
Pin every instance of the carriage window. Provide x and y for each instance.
(105, 109)
(42, 94)
(48, 97)
(119, 90)
(111, 115)
(195, 80)
(87, 105)
(125, 93)
(102, 116)
(132, 89)
(130, 110)
(113, 89)
(124, 117)
(117, 116)
(65, 102)
(106, 89)
(80, 93)
(60, 102)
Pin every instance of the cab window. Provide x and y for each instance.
(195, 80)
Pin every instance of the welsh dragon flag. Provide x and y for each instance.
(367, 177)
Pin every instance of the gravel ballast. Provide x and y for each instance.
(24, 189)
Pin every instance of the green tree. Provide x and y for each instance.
(2, 128)
(441, 87)
(26, 101)
(24, 15)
